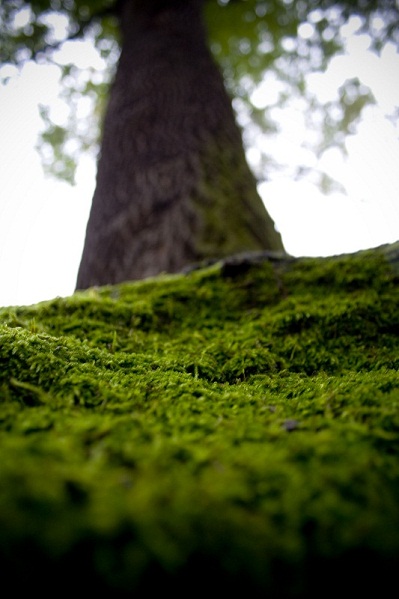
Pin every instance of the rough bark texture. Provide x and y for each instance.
(173, 185)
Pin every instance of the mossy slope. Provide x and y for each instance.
(235, 428)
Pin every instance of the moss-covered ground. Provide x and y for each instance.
(234, 429)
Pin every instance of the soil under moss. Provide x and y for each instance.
(235, 428)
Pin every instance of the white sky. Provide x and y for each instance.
(42, 222)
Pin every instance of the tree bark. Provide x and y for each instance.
(173, 185)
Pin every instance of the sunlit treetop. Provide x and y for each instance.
(249, 32)
(249, 38)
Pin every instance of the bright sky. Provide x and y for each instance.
(42, 222)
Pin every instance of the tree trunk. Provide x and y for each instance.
(173, 185)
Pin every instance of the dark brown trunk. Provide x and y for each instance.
(173, 185)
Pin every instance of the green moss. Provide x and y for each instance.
(236, 428)
(232, 215)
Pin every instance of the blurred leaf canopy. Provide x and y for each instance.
(284, 40)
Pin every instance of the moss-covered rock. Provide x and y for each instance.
(235, 428)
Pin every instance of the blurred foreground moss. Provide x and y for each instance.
(235, 428)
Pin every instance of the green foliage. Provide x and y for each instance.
(248, 37)
(235, 428)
